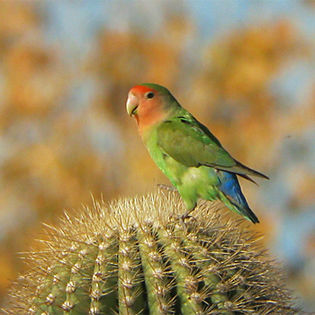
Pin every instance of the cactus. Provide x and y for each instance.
(135, 256)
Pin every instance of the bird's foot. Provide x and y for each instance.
(182, 218)
(185, 216)
(166, 187)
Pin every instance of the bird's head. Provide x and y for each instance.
(149, 103)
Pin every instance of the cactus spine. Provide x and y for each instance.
(134, 257)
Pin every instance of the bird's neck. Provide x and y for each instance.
(148, 121)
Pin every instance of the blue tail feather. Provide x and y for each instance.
(232, 190)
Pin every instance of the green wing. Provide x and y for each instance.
(192, 144)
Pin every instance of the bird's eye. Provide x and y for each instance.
(149, 95)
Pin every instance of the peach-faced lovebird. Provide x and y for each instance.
(187, 152)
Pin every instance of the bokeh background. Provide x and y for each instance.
(244, 68)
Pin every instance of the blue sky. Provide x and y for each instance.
(75, 25)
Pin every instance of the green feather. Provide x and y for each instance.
(191, 156)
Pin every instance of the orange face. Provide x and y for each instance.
(146, 105)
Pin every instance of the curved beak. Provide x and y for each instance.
(132, 104)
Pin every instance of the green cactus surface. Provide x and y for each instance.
(135, 256)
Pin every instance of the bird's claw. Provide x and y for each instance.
(185, 216)
(166, 187)
(182, 218)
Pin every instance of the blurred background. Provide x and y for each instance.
(244, 68)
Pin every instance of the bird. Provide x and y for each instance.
(187, 152)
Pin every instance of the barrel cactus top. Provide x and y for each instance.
(134, 256)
